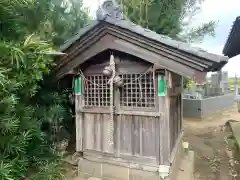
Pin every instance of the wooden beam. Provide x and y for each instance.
(181, 125)
(161, 51)
(94, 36)
(101, 32)
(127, 35)
(82, 42)
(95, 49)
(109, 41)
(79, 123)
(164, 104)
(159, 46)
(86, 42)
(152, 57)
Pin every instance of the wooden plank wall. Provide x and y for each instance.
(175, 120)
(134, 135)
(145, 135)
(175, 110)
(79, 122)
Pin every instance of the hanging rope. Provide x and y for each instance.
(149, 70)
(110, 129)
(85, 79)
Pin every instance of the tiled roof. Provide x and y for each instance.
(110, 13)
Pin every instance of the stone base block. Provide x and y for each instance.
(110, 171)
(87, 169)
(104, 171)
(143, 175)
(182, 166)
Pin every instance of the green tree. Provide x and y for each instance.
(22, 144)
(26, 45)
(62, 19)
(53, 20)
(173, 18)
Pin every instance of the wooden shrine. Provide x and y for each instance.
(128, 95)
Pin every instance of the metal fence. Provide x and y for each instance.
(203, 107)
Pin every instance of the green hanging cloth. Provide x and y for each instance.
(78, 85)
(161, 85)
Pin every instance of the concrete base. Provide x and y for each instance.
(182, 168)
(186, 167)
(235, 126)
(106, 171)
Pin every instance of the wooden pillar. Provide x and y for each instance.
(181, 104)
(164, 104)
(116, 135)
(79, 122)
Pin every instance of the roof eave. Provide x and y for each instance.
(78, 35)
(216, 61)
(166, 41)
(228, 43)
(217, 66)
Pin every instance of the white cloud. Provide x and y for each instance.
(216, 9)
(233, 66)
(214, 50)
(93, 5)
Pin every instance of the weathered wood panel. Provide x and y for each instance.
(169, 53)
(125, 64)
(121, 45)
(181, 113)
(79, 123)
(134, 135)
(148, 135)
(138, 135)
(95, 128)
(97, 131)
(149, 142)
(175, 120)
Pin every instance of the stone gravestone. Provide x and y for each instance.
(236, 93)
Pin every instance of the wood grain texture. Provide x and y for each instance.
(175, 117)
(125, 64)
(180, 59)
(138, 133)
(80, 45)
(164, 126)
(79, 123)
(134, 135)
(98, 32)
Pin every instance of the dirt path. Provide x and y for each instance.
(208, 137)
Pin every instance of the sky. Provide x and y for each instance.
(222, 11)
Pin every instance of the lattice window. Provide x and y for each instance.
(96, 91)
(138, 90)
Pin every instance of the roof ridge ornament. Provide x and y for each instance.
(110, 8)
